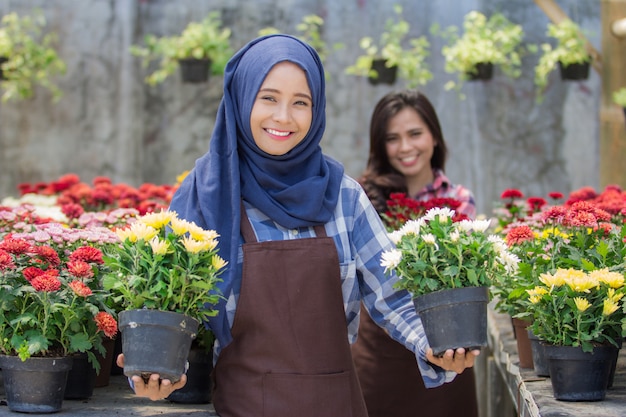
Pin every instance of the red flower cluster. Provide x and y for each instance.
(402, 208)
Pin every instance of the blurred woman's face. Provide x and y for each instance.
(283, 110)
(410, 147)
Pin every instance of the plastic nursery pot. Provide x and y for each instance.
(386, 75)
(524, 350)
(483, 72)
(156, 342)
(454, 318)
(36, 385)
(574, 72)
(197, 390)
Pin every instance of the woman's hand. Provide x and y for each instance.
(456, 361)
(155, 388)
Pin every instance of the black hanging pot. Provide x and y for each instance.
(454, 318)
(386, 75)
(36, 385)
(156, 341)
(483, 71)
(575, 72)
(194, 70)
(3, 59)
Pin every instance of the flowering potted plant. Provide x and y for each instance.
(163, 271)
(401, 208)
(202, 48)
(382, 61)
(27, 57)
(485, 42)
(570, 54)
(52, 307)
(438, 258)
(579, 316)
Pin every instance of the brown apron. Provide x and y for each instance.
(393, 386)
(290, 355)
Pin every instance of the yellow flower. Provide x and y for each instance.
(581, 303)
(124, 234)
(158, 220)
(612, 279)
(179, 226)
(217, 262)
(609, 307)
(181, 176)
(200, 234)
(550, 280)
(139, 231)
(536, 293)
(579, 281)
(159, 247)
(196, 246)
(613, 295)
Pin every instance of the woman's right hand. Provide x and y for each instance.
(155, 388)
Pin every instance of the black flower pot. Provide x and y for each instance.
(36, 385)
(386, 75)
(194, 70)
(156, 341)
(574, 72)
(3, 59)
(483, 71)
(540, 360)
(454, 318)
(197, 390)
(578, 375)
(81, 379)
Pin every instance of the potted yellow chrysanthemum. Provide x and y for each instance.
(163, 271)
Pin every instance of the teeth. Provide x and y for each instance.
(409, 159)
(276, 132)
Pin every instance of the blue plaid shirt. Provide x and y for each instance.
(360, 238)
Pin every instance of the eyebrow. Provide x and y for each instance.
(273, 90)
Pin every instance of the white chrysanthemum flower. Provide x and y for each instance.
(455, 235)
(442, 213)
(480, 225)
(509, 260)
(395, 236)
(499, 245)
(430, 239)
(391, 259)
(412, 227)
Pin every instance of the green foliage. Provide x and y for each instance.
(32, 59)
(570, 49)
(199, 40)
(495, 40)
(434, 253)
(156, 268)
(411, 60)
(619, 97)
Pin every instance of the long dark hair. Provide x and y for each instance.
(379, 178)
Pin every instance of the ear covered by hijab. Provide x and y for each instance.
(297, 189)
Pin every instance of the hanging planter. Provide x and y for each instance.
(194, 70)
(577, 375)
(384, 74)
(156, 342)
(483, 71)
(3, 59)
(36, 385)
(575, 71)
(454, 318)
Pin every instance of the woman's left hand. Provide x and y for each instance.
(456, 361)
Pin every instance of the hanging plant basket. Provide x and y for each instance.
(386, 75)
(483, 71)
(156, 342)
(454, 318)
(194, 70)
(574, 72)
(3, 59)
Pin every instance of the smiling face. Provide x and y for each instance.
(410, 146)
(283, 110)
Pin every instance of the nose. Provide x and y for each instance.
(404, 143)
(282, 113)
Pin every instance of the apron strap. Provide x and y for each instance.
(248, 232)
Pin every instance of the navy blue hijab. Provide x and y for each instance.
(297, 189)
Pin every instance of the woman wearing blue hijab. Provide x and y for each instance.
(303, 245)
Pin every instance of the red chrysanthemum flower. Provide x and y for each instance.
(106, 323)
(581, 219)
(15, 246)
(65, 182)
(536, 203)
(80, 288)
(511, 193)
(80, 269)
(519, 235)
(72, 210)
(32, 272)
(46, 282)
(6, 260)
(87, 254)
(554, 214)
(48, 254)
(555, 195)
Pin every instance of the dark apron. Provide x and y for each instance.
(393, 386)
(290, 355)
